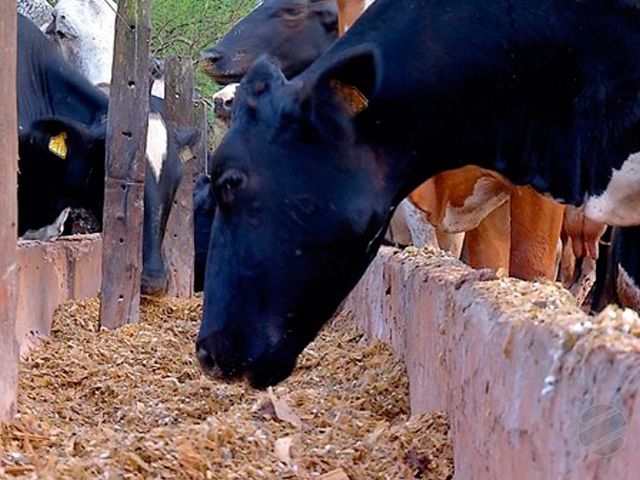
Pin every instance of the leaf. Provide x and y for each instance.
(337, 474)
(283, 411)
(282, 449)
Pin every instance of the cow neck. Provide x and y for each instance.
(519, 112)
(50, 86)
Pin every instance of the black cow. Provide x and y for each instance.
(545, 92)
(294, 31)
(62, 131)
(204, 210)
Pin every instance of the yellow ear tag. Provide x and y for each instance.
(58, 145)
(352, 98)
(186, 154)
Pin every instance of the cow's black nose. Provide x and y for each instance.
(154, 282)
(212, 55)
(207, 362)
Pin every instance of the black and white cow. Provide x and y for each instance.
(546, 92)
(618, 269)
(62, 132)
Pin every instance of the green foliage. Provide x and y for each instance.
(186, 27)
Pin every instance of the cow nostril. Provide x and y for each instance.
(212, 56)
(207, 362)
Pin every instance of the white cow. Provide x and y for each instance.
(85, 31)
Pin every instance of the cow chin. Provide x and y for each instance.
(154, 285)
(264, 370)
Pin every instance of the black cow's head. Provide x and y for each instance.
(295, 32)
(168, 147)
(302, 209)
(65, 169)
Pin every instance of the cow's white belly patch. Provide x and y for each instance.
(619, 204)
(157, 139)
(484, 200)
(157, 89)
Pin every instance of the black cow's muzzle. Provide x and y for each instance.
(221, 359)
(154, 283)
(216, 65)
(221, 366)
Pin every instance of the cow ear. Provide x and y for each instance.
(187, 136)
(352, 79)
(327, 11)
(60, 137)
(186, 139)
(262, 77)
(202, 195)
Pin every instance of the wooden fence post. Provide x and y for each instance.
(126, 165)
(178, 241)
(8, 212)
(200, 164)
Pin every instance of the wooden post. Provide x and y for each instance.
(178, 240)
(126, 164)
(8, 212)
(200, 151)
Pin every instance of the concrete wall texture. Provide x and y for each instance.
(534, 388)
(49, 274)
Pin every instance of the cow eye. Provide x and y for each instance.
(227, 186)
(292, 12)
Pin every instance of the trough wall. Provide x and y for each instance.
(49, 274)
(516, 365)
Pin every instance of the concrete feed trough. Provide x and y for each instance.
(534, 388)
(49, 274)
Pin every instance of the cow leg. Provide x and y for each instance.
(450, 242)
(488, 244)
(567, 265)
(536, 223)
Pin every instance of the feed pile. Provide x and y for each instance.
(133, 404)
